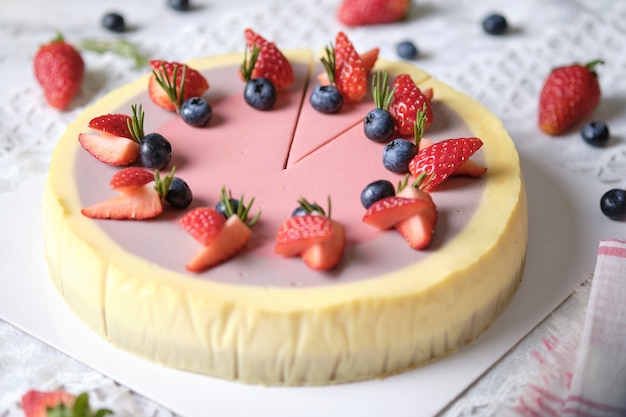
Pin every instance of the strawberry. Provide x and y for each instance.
(203, 223)
(113, 124)
(116, 137)
(369, 12)
(271, 63)
(221, 239)
(386, 212)
(418, 230)
(569, 95)
(35, 403)
(171, 83)
(369, 59)
(325, 255)
(141, 196)
(300, 232)
(314, 236)
(60, 70)
(58, 403)
(469, 167)
(350, 72)
(407, 100)
(441, 159)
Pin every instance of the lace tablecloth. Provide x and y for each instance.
(505, 73)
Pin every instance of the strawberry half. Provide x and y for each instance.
(325, 255)
(139, 198)
(387, 212)
(369, 59)
(350, 72)
(441, 159)
(271, 63)
(407, 100)
(166, 88)
(469, 168)
(300, 232)
(370, 12)
(223, 238)
(116, 137)
(418, 229)
(203, 223)
(230, 240)
(35, 403)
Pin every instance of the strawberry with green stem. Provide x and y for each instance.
(115, 139)
(314, 237)
(379, 124)
(327, 99)
(569, 95)
(171, 83)
(142, 196)
(350, 73)
(408, 98)
(270, 63)
(221, 237)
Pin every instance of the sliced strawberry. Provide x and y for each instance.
(271, 63)
(350, 73)
(203, 223)
(326, 254)
(418, 229)
(112, 124)
(385, 213)
(135, 203)
(195, 84)
(35, 403)
(232, 238)
(132, 177)
(300, 232)
(369, 59)
(407, 100)
(110, 149)
(441, 159)
(470, 167)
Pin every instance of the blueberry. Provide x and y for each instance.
(407, 50)
(260, 93)
(375, 191)
(495, 24)
(178, 194)
(397, 155)
(613, 204)
(114, 22)
(301, 211)
(155, 151)
(326, 99)
(195, 111)
(221, 208)
(378, 125)
(595, 133)
(180, 5)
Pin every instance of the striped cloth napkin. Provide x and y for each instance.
(596, 384)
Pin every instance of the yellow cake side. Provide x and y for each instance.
(296, 336)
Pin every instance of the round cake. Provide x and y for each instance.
(262, 318)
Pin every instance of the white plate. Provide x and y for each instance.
(565, 227)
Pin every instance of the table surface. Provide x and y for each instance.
(504, 72)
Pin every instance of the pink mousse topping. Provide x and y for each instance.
(278, 156)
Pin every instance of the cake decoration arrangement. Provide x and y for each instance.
(289, 297)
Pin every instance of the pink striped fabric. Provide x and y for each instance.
(598, 387)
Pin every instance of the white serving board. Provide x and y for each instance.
(565, 227)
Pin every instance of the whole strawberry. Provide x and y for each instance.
(569, 94)
(370, 12)
(59, 69)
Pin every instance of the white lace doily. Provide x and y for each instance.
(505, 73)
